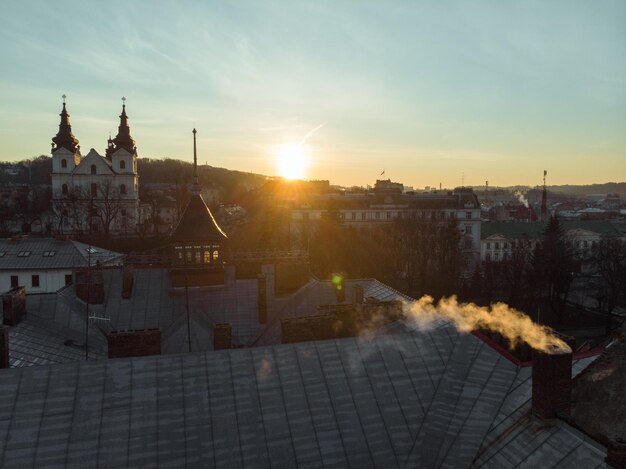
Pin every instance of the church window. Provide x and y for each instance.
(63, 163)
(216, 255)
(64, 188)
(122, 164)
(94, 188)
(93, 169)
(123, 189)
(207, 257)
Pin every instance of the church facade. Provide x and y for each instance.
(95, 193)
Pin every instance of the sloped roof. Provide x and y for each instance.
(424, 399)
(197, 224)
(61, 254)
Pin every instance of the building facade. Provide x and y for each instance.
(95, 193)
(388, 203)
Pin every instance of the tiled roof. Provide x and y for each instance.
(426, 399)
(197, 224)
(50, 253)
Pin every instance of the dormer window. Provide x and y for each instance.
(23, 254)
(49, 253)
(93, 169)
(63, 163)
(122, 164)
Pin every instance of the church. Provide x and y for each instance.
(95, 193)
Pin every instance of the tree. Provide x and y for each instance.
(554, 266)
(609, 263)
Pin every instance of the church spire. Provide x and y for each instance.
(123, 138)
(65, 138)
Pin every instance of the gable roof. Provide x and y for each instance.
(197, 224)
(103, 166)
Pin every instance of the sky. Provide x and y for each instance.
(430, 92)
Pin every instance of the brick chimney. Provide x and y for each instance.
(222, 336)
(134, 343)
(357, 294)
(262, 298)
(616, 454)
(90, 286)
(4, 346)
(13, 306)
(127, 281)
(552, 383)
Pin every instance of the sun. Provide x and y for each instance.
(292, 160)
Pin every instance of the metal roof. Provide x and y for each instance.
(51, 253)
(425, 399)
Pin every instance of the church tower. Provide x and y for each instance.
(197, 241)
(65, 148)
(122, 151)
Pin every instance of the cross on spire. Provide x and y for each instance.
(64, 98)
(123, 99)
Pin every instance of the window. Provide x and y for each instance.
(34, 281)
(68, 279)
(14, 281)
(468, 229)
(123, 189)
(63, 163)
(388, 215)
(2, 253)
(442, 215)
(496, 256)
(363, 215)
(94, 170)
(49, 253)
(122, 164)
(188, 256)
(64, 189)
(198, 257)
(377, 215)
(497, 245)
(91, 250)
(23, 254)
(94, 189)
(207, 257)
(488, 245)
(468, 215)
(123, 212)
(488, 257)
(353, 216)
(216, 254)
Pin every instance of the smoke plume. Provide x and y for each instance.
(521, 198)
(516, 326)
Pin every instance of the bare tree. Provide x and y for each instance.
(609, 263)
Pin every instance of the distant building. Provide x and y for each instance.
(95, 193)
(44, 265)
(387, 203)
(499, 239)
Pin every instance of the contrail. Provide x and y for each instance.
(309, 134)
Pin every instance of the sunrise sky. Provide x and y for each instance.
(425, 90)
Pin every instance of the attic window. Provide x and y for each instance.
(49, 253)
(91, 250)
(23, 254)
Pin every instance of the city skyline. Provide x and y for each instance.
(429, 94)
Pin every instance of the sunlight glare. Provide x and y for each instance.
(292, 161)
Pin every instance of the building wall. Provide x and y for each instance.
(50, 281)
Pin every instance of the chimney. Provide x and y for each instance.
(127, 282)
(262, 298)
(134, 343)
(90, 286)
(4, 347)
(616, 454)
(357, 294)
(222, 336)
(13, 306)
(552, 383)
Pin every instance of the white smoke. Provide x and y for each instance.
(521, 198)
(516, 326)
